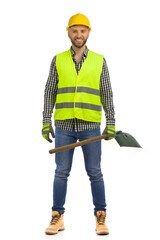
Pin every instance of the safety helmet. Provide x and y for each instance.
(78, 19)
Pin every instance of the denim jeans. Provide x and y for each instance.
(92, 160)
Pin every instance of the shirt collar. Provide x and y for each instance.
(84, 54)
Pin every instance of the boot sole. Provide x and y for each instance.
(54, 232)
(102, 232)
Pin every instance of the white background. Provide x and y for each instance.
(127, 33)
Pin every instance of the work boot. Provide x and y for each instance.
(56, 223)
(101, 227)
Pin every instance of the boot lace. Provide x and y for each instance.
(101, 219)
(55, 219)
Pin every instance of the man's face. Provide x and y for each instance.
(78, 35)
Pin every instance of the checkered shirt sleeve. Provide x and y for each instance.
(106, 95)
(50, 93)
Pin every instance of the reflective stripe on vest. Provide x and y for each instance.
(79, 89)
(78, 95)
(78, 105)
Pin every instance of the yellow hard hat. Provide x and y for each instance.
(78, 19)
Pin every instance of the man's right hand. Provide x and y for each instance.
(46, 130)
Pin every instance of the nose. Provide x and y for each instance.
(78, 34)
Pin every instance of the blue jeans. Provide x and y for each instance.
(92, 160)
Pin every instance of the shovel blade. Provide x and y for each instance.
(126, 140)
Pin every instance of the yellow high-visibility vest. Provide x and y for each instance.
(78, 95)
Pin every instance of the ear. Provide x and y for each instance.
(88, 33)
(68, 33)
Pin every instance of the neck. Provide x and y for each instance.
(79, 51)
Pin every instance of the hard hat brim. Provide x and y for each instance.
(68, 27)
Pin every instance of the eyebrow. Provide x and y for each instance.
(82, 30)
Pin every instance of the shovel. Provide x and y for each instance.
(122, 138)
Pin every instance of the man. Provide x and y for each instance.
(78, 85)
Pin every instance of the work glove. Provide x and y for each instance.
(110, 131)
(46, 130)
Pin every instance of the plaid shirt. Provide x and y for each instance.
(78, 124)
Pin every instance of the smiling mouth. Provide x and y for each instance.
(78, 40)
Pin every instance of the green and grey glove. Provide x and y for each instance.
(46, 130)
(110, 131)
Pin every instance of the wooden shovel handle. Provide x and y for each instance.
(77, 144)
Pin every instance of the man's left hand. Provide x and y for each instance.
(110, 132)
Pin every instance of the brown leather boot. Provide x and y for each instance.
(101, 227)
(56, 224)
